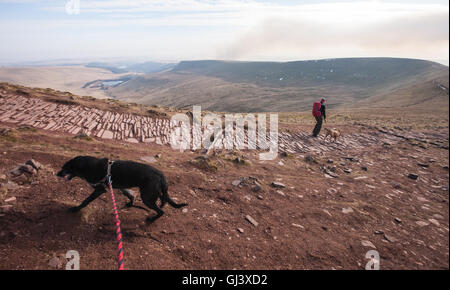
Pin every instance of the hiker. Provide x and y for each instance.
(319, 114)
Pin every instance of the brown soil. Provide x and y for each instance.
(301, 226)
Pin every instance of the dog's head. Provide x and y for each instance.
(70, 169)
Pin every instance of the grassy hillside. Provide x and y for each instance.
(365, 72)
(288, 86)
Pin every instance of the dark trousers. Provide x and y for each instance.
(318, 126)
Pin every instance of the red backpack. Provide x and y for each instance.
(316, 109)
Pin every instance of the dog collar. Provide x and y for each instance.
(107, 178)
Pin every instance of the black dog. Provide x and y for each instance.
(124, 174)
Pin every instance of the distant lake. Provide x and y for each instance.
(112, 83)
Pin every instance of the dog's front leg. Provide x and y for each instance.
(97, 192)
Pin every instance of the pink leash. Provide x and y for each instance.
(117, 220)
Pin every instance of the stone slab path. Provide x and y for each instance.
(75, 119)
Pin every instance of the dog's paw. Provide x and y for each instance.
(150, 219)
(74, 209)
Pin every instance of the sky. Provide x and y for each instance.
(174, 30)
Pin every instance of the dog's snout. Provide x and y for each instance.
(61, 173)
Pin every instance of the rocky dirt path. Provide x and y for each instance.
(299, 217)
(75, 119)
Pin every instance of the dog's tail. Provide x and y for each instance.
(166, 198)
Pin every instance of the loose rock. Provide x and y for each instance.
(422, 223)
(36, 165)
(347, 210)
(331, 190)
(27, 169)
(16, 172)
(281, 193)
(298, 226)
(390, 238)
(368, 244)
(251, 220)
(11, 199)
(310, 159)
(278, 184)
(433, 221)
(256, 188)
(236, 182)
(413, 176)
(149, 159)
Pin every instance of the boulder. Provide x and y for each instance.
(16, 172)
(28, 169)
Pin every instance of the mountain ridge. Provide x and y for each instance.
(281, 86)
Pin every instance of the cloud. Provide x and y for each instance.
(141, 6)
(227, 29)
(345, 30)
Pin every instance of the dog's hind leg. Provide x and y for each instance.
(97, 192)
(174, 204)
(166, 198)
(149, 196)
(129, 196)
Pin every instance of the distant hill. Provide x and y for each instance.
(289, 86)
(367, 72)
